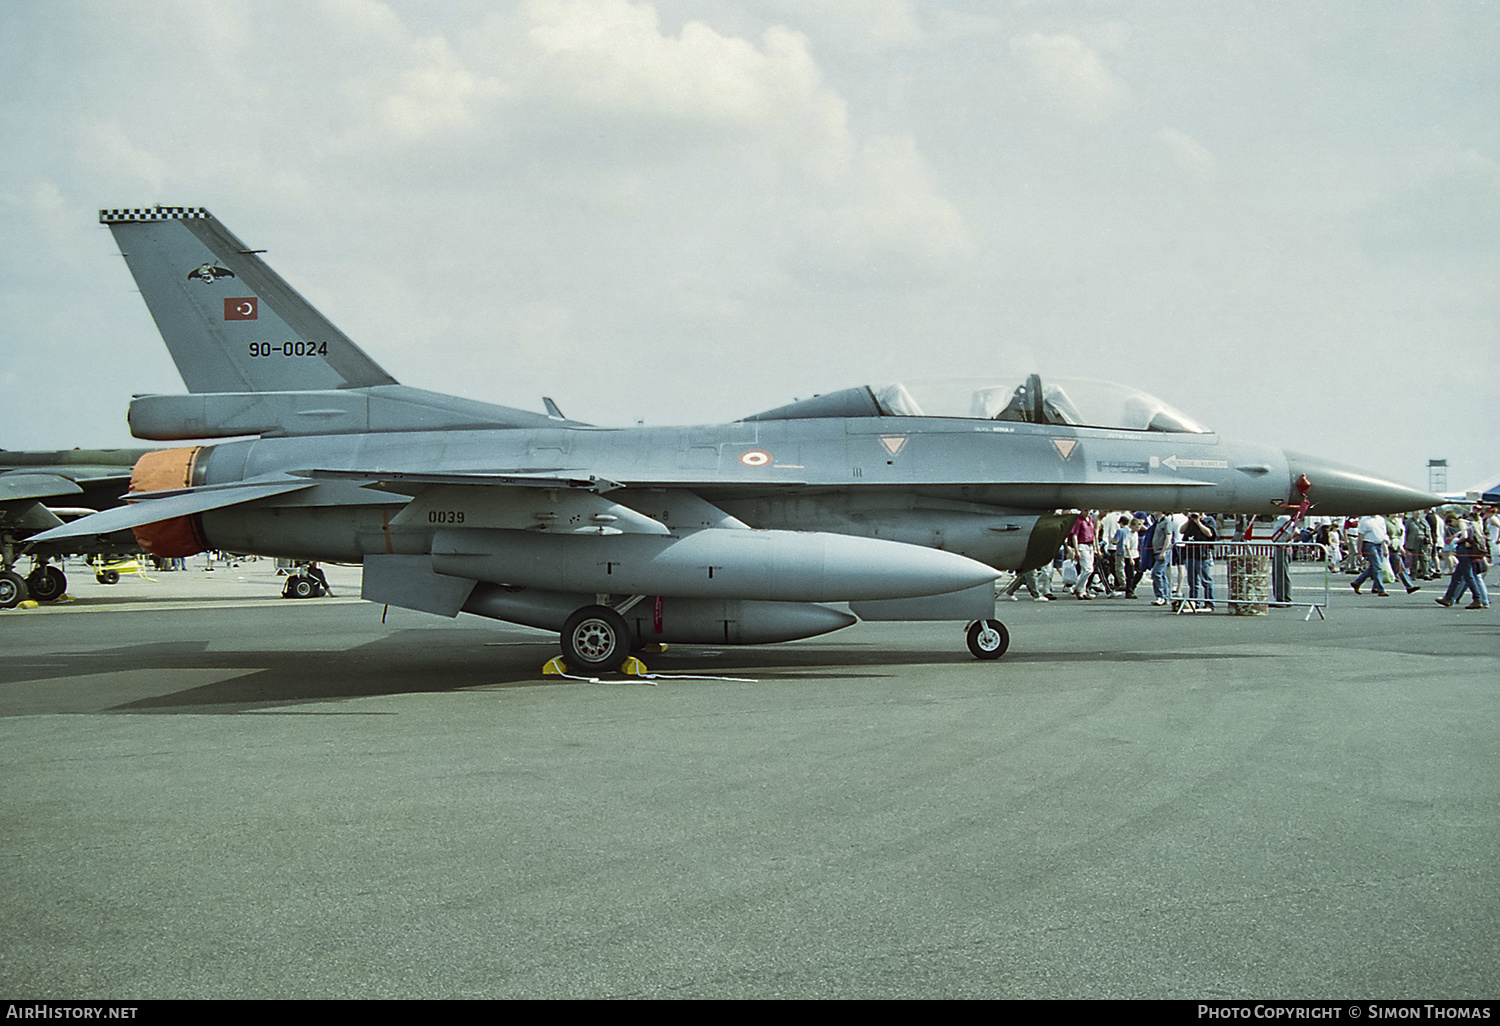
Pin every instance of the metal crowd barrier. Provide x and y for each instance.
(1249, 566)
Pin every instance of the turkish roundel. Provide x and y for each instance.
(241, 309)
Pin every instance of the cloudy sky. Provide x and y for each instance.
(1283, 217)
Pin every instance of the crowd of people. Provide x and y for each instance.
(1109, 554)
(1425, 545)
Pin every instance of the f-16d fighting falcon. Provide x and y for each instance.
(903, 500)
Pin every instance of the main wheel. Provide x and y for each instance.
(988, 639)
(12, 589)
(301, 587)
(596, 638)
(46, 583)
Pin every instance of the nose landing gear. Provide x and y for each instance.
(988, 639)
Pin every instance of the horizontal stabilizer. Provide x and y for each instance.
(27, 515)
(35, 486)
(150, 511)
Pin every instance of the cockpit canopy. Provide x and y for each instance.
(1076, 402)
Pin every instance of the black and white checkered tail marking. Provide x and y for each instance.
(122, 215)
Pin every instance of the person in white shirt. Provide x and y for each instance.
(1333, 541)
(1128, 554)
(1373, 544)
(1179, 554)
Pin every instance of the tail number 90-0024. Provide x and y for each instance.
(291, 347)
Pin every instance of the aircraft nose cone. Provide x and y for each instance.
(1341, 490)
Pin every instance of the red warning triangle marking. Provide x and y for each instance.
(1064, 446)
(893, 443)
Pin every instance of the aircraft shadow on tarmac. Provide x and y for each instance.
(429, 661)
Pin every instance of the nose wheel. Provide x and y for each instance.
(988, 639)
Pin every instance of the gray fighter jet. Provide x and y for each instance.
(38, 491)
(905, 500)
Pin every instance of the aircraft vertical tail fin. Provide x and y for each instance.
(230, 322)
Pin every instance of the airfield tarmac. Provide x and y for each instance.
(212, 792)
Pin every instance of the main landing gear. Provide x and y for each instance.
(12, 589)
(596, 639)
(307, 582)
(45, 584)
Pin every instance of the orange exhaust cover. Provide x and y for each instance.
(158, 471)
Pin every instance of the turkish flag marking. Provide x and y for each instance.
(242, 309)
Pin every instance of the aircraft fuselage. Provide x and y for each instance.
(972, 487)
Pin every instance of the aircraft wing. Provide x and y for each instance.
(182, 503)
(555, 502)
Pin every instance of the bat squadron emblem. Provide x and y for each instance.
(210, 273)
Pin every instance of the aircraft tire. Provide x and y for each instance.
(301, 587)
(988, 639)
(47, 583)
(596, 639)
(12, 589)
(107, 577)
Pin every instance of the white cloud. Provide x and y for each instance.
(1072, 75)
(885, 220)
(46, 199)
(407, 89)
(1190, 155)
(612, 57)
(107, 143)
(766, 117)
(436, 99)
(597, 102)
(613, 54)
(875, 23)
